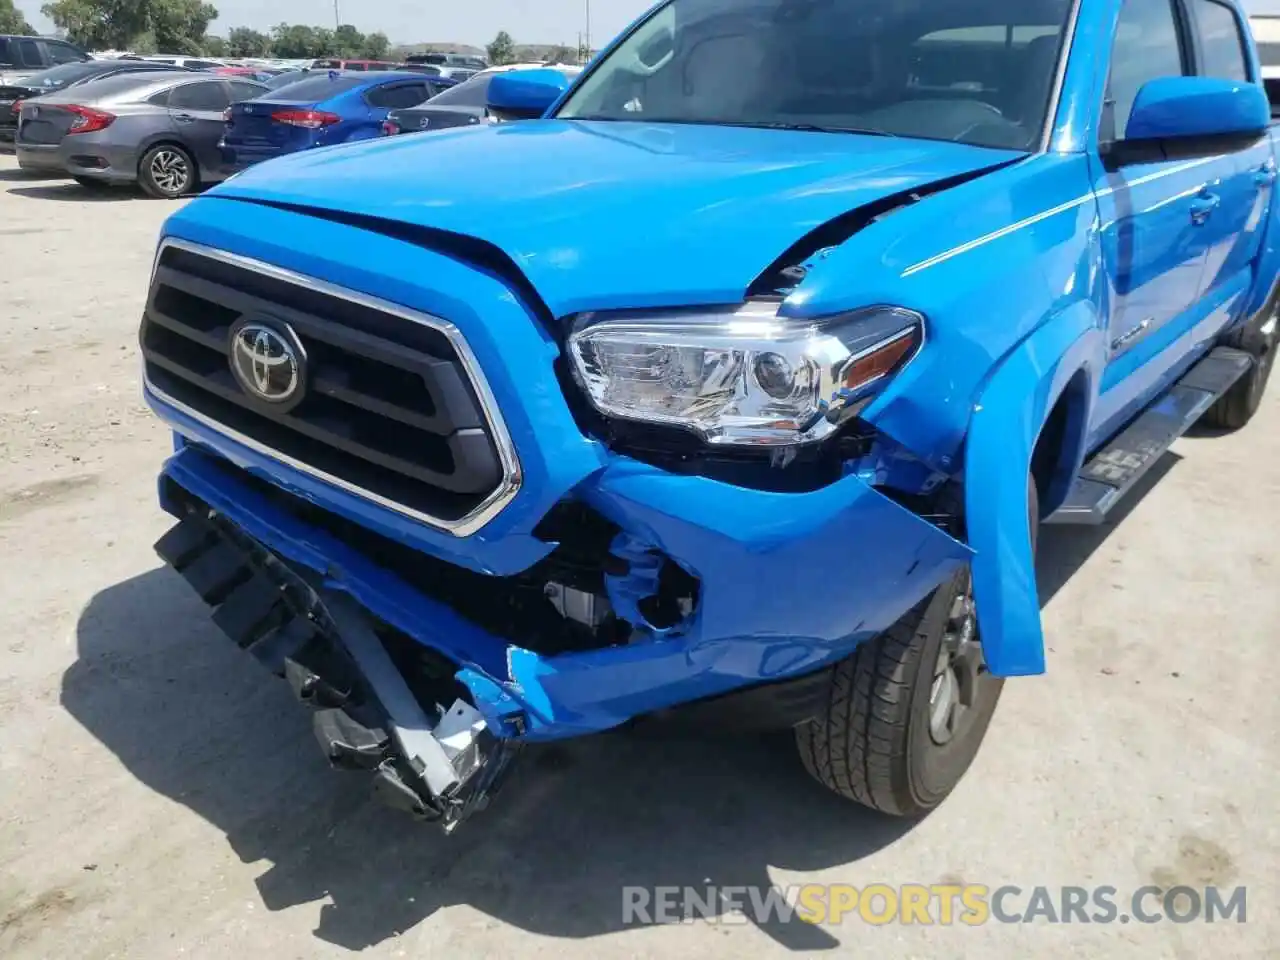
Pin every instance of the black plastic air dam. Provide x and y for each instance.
(367, 714)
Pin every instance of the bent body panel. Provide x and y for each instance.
(1006, 425)
(737, 540)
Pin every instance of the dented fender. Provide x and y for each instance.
(1007, 421)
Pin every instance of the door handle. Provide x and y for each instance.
(1265, 175)
(1202, 207)
(184, 118)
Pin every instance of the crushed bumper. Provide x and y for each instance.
(790, 584)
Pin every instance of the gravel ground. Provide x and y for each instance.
(160, 796)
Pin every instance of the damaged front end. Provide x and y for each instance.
(379, 702)
(660, 591)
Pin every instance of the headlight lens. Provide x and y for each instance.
(744, 377)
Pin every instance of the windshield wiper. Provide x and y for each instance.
(755, 124)
(805, 127)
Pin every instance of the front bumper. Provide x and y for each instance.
(790, 583)
(785, 593)
(367, 717)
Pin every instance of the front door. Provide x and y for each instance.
(1157, 220)
(1235, 233)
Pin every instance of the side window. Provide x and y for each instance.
(8, 52)
(1221, 42)
(29, 53)
(204, 95)
(62, 52)
(394, 98)
(1147, 46)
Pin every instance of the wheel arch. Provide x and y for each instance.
(1060, 447)
(1036, 403)
(168, 139)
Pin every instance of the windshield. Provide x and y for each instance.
(473, 93)
(55, 78)
(972, 71)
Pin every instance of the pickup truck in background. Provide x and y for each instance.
(731, 390)
(20, 57)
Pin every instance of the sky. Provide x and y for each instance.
(475, 21)
(407, 21)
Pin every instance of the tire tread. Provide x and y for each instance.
(856, 746)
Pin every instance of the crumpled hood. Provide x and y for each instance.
(604, 215)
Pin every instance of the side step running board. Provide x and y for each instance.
(1116, 468)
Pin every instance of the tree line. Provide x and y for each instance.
(12, 20)
(181, 27)
(292, 41)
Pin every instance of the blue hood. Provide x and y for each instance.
(604, 215)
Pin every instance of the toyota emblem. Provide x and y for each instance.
(268, 362)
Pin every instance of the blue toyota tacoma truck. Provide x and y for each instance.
(731, 389)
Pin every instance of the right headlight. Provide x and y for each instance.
(744, 377)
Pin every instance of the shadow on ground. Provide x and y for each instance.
(18, 175)
(197, 720)
(200, 722)
(76, 193)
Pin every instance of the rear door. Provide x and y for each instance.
(14, 53)
(1154, 216)
(195, 111)
(1234, 232)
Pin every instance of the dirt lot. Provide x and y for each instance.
(162, 797)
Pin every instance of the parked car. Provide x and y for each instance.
(461, 60)
(460, 106)
(356, 66)
(286, 77)
(570, 70)
(736, 387)
(456, 74)
(20, 57)
(323, 109)
(191, 63)
(159, 130)
(59, 78)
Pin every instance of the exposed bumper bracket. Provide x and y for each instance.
(438, 765)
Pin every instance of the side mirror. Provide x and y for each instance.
(525, 94)
(1181, 109)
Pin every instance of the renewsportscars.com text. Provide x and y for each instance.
(933, 904)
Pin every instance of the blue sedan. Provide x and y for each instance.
(318, 110)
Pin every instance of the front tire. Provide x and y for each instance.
(907, 712)
(167, 172)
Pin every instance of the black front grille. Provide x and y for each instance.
(389, 408)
